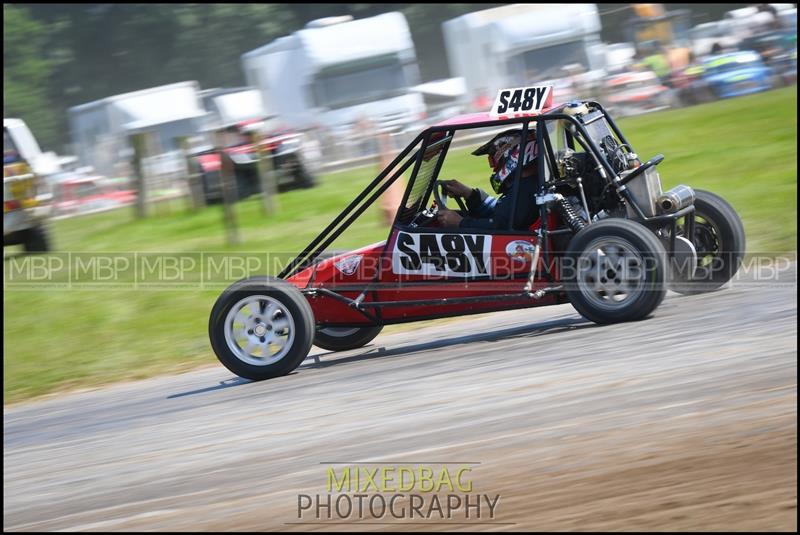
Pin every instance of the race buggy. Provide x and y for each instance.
(606, 239)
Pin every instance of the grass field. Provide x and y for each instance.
(743, 149)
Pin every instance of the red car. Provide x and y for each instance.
(285, 146)
(604, 237)
(89, 194)
(636, 92)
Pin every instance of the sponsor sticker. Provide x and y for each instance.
(349, 264)
(520, 251)
(452, 255)
(522, 100)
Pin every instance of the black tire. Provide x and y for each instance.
(302, 178)
(344, 338)
(720, 243)
(37, 240)
(247, 181)
(589, 280)
(291, 303)
(212, 187)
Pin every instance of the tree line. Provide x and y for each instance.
(59, 55)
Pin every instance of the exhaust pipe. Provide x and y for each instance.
(675, 199)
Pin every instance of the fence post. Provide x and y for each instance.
(228, 179)
(392, 197)
(267, 175)
(193, 178)
(138, 143)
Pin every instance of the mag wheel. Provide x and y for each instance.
(344, 338)
(719, 241)
(615, 271)
(261, 328)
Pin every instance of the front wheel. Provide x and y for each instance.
(344, 338)
(302, 178)
(614, 271)
(719, 241)
(261, 328)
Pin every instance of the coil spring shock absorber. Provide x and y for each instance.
(569, 215)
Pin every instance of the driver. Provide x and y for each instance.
(487, 212)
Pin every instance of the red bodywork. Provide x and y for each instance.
(210, 162)
(87, 193)
(635, 87)
(505, 256)
(503, 261)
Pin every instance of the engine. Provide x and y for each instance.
(577, 171)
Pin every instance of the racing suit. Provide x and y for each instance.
(494, 213)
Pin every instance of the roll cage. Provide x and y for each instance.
(434, 142)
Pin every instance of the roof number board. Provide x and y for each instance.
(522, 101)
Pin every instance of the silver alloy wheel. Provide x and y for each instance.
(259, 330)
(339, 332)
(611, 273)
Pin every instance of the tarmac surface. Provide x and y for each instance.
(684, 421)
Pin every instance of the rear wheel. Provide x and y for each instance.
(344, 338)
(719, 241)
(261, 328)
(615, 271)
(36, 240)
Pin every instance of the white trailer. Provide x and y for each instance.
(525, 44)
(747, 21)
(337, 72)
(99, 130)
(704, 36)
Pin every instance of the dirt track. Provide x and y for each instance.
(685, 421)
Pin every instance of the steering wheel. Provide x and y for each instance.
(441, 196)
(425, 218)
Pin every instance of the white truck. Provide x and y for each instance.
(27, 200)
(523, 44)
(336, 72)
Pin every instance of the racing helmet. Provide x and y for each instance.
(503, 153)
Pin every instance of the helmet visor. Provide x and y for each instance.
(506, 164)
